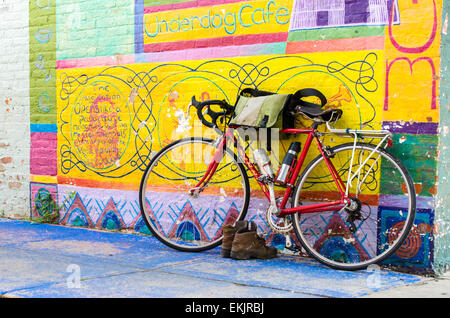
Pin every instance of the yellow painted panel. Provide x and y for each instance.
(242, 18)
(112, 119)
(413, 63)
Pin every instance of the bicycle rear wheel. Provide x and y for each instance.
(179, 219)
(374, 226)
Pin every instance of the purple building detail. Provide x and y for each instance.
(312, 14)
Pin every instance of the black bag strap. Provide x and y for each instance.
(296, 98)
(254, 92)
(308, 92)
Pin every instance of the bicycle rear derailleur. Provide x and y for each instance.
(353, 210)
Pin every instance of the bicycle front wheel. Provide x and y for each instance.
(374, 225)
(189, 222)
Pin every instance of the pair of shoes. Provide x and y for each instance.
(242, 242)
(229, 232)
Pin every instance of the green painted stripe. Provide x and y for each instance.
(42, 51)
(418, 154)
(266, 48)
(336, 33)
(153, 3)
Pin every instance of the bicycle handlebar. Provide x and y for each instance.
(228, 109)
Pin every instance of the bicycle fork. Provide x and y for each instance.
(220, 145)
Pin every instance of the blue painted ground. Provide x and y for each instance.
(40, 260)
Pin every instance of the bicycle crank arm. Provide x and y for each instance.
(273, 200)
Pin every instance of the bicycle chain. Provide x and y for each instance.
(287, 226)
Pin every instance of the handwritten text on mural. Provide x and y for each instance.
(99, 125)
(222, 20)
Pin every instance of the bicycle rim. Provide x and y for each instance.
(183, 221)
(382, 191)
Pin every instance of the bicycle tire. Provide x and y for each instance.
(319, 238)
(206, 241)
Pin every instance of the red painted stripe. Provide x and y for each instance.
(96, 184)
(335, 45)
(186, 5)
(128, 186)
(216, 42)
(96, 61)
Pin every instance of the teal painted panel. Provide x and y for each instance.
(418, 154)
(94, 28)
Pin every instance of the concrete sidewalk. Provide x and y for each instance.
(40, 260)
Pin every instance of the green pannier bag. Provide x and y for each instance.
(260, 109)
(260, 112)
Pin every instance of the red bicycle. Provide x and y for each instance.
(353, 204)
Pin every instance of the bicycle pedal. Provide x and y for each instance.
(296, 250)
(293, 248)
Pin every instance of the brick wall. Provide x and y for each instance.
(14, 110)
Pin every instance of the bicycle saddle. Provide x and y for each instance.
(319, 115)
(312, 110)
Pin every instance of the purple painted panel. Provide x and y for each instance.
(310, 14)
(322, 18)
(356, 11)
(418, 128)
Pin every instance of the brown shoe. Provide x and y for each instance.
(228, 236)
(247, 244)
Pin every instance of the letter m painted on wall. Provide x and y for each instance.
(413, 87)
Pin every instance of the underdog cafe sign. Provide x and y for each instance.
(249, 17)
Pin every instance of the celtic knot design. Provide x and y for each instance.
(134, 91)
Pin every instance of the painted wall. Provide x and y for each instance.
(378, 60)
(442, 237)
(14, 110)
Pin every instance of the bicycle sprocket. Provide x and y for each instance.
(278, 225)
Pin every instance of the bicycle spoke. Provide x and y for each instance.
(181, 215)
(361, 233)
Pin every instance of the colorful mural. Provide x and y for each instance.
(104, 103)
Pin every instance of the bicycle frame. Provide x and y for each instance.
(336, 195)
(312, 135)
(337, 205)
